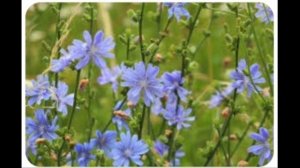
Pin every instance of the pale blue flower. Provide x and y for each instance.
(264, 13)
(63, 100)
(173, 83)
(40, 90)
(84, 155)
(96, 49)
(142, 81)
(177, 9)
(129, 149)
(41, 127)
(110, 76)
(179, 117)
(262, 149)
(242, 79)
(105, 141)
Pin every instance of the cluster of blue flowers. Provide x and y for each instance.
(165, 95)
(142, 80)
(128, 149)
(41, 89)
(243, 80)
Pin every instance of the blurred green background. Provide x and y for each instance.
(214, 58)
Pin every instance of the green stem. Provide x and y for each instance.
(261, 55)
(158, 19)
(241, 139)
(58, 34)
(161, 37)
(227, 123)
(183, 64)
(90, 123)
(150, 128)
(223, 130)
(91, 128)
(223, 149)
(194, 23)
(141, 32)
(71, 117)
(75, 99)
(142, 121)
(112, 115)
(127, 49)
(189, 39)
(228, 146)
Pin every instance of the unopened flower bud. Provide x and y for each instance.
(232, 137)
(158, 57)
(225, 113)
(256, 125)
(121, 114)
(167, 164)
(243, 163)
(266, 92)
(168, 132)
(68, 137)
(53, 156)
(227, 61)
(164, 98)
(83, 83)
(130, 104)
(72, 143)
(40, 141)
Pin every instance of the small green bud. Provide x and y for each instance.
(45, 59)
(128, 32)
(123, 39)
(193, 66)
(228, 38)
(206, 33)
(226, 27)
(128, 63)
(133, 15)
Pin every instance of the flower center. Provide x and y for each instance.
(143, 84)
(93, 50)
(127, 153)
(42, 128)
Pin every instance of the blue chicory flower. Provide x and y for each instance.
(96, 49)
(218, 98)
(84, 154)
(40, 90)
(242, 79)
(173, 82)
(110, 76)
(41, 127)
(142, 80)
(129, 149)
(177, 9)
(62, 98)
(157, 107)
(105, 141)
(264, 13)
(262, 149)
(180, 118)
(178, 155)
(66, 58)
(161, 148)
